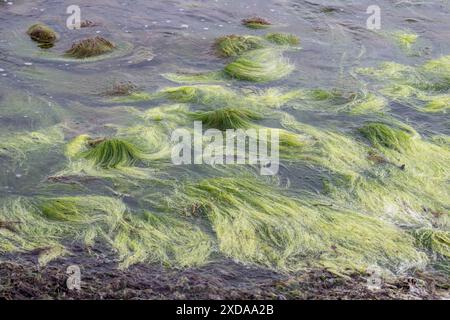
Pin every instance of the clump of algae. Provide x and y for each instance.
(42, 34)
(260, 65)
(45, 223)
(227, 118)
(113, 152)
(234, 45)
(381, 135)
(283, 39)
(256, 23)
(90, 47)
(438, 103)
(405, 39)
(369, 103)
(256, 224)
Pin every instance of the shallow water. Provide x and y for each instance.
(40, 90)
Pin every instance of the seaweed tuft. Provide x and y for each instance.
(234, 45)
(283, 39)
(111, 153)
(381, 136)
(260, 65)
(227, 118)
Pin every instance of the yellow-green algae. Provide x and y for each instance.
(423, 87)
(255, 223)
(137, 151)
(283, 39)
(16, 146)
(47, 224)
(381, 135)
(405, 40)
(438, 243)
(385, 188)
(255, 59)
(227, 118)
(234, 45)
(42, 33)
(113, 152)
(260, 65)
(220, 96)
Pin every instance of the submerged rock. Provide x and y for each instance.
(256, 23)
(90, 47)
(42, 33)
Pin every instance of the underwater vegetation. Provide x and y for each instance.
(255, 59)
(381, 135)
(16, 146)
(220, 96)
(405, 40)
(90, 47)
(379, 174)
(113, 152)
(46, 224)
(260, 65)
(256, 23)
(234, 45)
(42, 34)
(438, 243)
(438, 103)
(208, 95)
(256, 224)
(122, 88)
(423, 88)
(283, 39)
(227, 118)
(380, 195)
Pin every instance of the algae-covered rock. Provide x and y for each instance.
(42, 33)
(90, 47)
(256, 23)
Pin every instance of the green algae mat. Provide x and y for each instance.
(87, 118)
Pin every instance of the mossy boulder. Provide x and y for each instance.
(42, 33)
(90, 47)
(256, 23)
